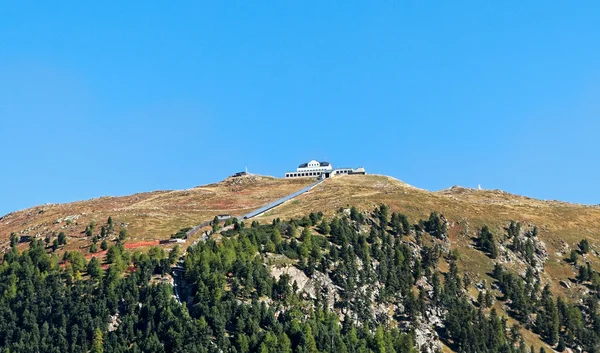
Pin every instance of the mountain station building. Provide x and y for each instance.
(321, 170)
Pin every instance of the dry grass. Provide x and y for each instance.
(149, 216)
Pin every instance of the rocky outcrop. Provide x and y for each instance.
(311, 286)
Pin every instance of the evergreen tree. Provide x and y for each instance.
(62, 238)
(123, 234)
(396, 224)
(573, 257)
(405, 224)
(487, 242)
(584, 246)
(14, 239)
(97, 345)
(561, 345)
(94, 268)
(324, 227)
(547, 319)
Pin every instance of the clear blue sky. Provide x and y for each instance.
(111, 97)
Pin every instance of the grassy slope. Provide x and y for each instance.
(152, 215)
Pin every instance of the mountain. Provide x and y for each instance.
(479, 231)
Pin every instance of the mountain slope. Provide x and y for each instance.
(156, 215)
(150, 215)
(558, 226)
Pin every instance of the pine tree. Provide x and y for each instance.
(489, 299)
(561, 345)
(324, 227)
(547, 320)
(97, 345)
(396, 224)
(307, 342)
(123, 234)
(93, 268)
(487, 242)
(582, 275)
(405, 224)
(62, 238)
(306, 236)
(379, 340)
(383, 216)
(480, 299)
(573, 257)
(584, 246)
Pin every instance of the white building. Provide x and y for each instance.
(322, 170)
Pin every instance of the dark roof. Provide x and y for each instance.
(238, 174)
(304, 165)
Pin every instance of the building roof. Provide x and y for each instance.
(322, 164)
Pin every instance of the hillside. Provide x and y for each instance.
(156, 215)
(150, 215)
(552, 228)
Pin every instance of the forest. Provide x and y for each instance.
(379, 283)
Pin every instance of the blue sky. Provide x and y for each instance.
(112, 98)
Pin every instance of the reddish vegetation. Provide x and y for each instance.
(141, 243)
(102, 254)
(99, 254)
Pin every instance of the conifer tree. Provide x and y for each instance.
(97, 345)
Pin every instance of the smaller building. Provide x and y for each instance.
(349, 171)
(239, 174)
